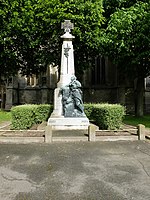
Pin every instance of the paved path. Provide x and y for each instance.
(75, 171)
(5, 124)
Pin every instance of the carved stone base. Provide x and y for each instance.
(68, 123)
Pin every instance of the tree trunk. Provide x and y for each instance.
(139, 97)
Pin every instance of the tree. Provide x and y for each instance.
(15, 19)
(112, 6)
(126, 40)
(30, 33)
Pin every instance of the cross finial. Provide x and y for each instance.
(67, 26)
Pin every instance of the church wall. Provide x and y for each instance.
(11, 92)
(110, 88)
(100, 95)
(111, 95)
(29, 96)
(147, 102)
(129, 100)
(103, 84)
(35, 95)
(147, 95)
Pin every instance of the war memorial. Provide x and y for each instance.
(68, 104)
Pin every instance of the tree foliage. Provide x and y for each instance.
(127, 39)
(30, 33)
(112, 6)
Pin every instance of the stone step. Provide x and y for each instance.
(69, 139)
(69, 133)
(21, 140)
(117, 138)
(22, 133)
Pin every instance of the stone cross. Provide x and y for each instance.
(67, 26)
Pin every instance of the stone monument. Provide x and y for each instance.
(68, 110)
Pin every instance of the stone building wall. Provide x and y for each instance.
(110, 87)
(32, 89)
(101, 84)
(147, 95)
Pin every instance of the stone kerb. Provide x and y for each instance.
(94, 134)
(141, 132)
(48, 134)
(132, 134)
(22, 136)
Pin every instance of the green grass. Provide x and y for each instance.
(5, 116)
(132, 120)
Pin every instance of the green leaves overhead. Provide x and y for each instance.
(30, 33)
(127, 39)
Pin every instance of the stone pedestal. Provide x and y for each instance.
(69, 123)
(58, 109)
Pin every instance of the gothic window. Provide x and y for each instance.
(28, 81)
(98, 72)
(44, 80)
(147, 80)
(31, 80)
(10, 81)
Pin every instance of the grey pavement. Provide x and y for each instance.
(75, 171)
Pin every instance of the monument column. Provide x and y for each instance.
(67, 67)
(68, 110)
(67, 59)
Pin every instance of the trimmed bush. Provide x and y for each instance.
(88, 109)
(43, 112)
(106, 116)
(24, 116)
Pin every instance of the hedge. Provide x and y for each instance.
(106, 116)
(88, 109)
(24, 116)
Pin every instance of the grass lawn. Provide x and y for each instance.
(132, 120)
(5, 116)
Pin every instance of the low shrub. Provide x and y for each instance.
(88, 109)
(24, 116)
(106, 116)
(43, 112)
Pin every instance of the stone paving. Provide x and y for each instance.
(75, 171)
(5, 125)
